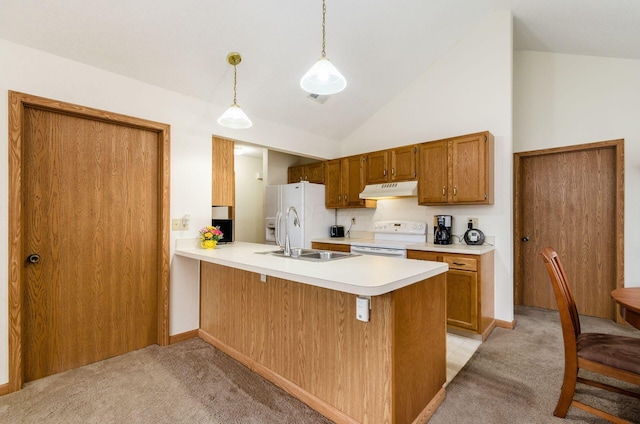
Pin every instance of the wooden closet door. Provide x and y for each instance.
(568, 202)
(90, 205)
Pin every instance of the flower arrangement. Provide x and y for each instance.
(209, 236)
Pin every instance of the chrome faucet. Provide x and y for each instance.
(296, 222)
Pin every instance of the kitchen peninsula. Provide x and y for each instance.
(294, 322)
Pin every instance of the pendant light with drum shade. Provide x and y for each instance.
(234, 117)
(323, 78)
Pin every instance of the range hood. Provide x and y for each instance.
(390, 190)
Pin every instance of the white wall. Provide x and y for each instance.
(249, 210)
(192, 124)
(562, 100)
(468, 90)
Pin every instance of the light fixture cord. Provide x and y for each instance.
(324, 12)
(235, 74)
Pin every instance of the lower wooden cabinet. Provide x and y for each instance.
(470, 290)
(462, 299)
(331, 246)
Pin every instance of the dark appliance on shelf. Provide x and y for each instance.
(442, 229)
(226, 226)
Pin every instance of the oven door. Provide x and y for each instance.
(379, 251)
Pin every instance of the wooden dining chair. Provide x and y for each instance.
(607, 354)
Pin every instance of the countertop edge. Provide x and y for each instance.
(200, 254)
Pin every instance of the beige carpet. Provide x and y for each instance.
(188, 382)
(514, 377)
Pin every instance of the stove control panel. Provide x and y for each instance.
(400, 227)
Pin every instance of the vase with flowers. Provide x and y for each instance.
(209, 237)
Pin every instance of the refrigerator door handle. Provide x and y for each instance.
(278, 218)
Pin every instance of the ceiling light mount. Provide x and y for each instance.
(234, 117)
(234, 58)
(323, 78)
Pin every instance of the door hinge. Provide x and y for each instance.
(485, 138)
(485, 196)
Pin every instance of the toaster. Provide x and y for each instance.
(336, 231)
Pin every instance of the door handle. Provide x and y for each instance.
(525, 238)
(34, 258)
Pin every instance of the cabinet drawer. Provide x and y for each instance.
(459, 262)
(422, 255)
(331, 246)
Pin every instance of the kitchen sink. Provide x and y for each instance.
(310, 254)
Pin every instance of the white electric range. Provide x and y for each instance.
(391, 238)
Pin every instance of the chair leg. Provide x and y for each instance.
(566, 394)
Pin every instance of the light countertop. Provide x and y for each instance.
(428, 247)
(360, 275)
(452, 248)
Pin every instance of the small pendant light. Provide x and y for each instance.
(234, 117)
(323, 78)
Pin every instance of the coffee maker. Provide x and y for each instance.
(442, 229)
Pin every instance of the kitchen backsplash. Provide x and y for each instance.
(407, 209)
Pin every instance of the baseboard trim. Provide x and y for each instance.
(431, 408)
(294, 390)
(4, 389)
(177, 338)
(509, 325)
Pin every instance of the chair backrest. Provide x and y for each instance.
(566, 305)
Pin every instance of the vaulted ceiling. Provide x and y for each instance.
(380, 46)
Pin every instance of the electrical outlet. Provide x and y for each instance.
(473, 221)
(179, 224)
(353, 221)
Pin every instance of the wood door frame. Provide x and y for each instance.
(618, 146)
(18, 102)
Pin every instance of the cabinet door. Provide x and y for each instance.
(333, 184)
(403, 163)
(314, 172)
(432, 181)
(377, 167)
(469, 169)
(295, 174)
(353, 181)
(462, 299)
(223, 174)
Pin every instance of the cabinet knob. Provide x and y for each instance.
(444, 191)
(455, 190)
(393, 171)
(384, 172)
(525, 238)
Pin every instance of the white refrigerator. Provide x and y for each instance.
(308, 201)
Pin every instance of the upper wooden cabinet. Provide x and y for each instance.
(295, 174)
(457, 170)
(313, 172)
(333, 184)
(391, 165)
(344, 181)
(223, 174)
(403, 163)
